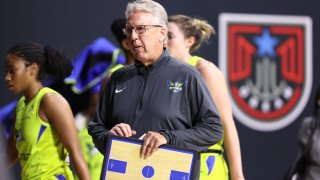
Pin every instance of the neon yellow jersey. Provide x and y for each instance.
(41, 152)
(92, 155)
(118, 66)
(212, 165)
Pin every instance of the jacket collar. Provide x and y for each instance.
(152, 68)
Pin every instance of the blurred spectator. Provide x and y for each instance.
(307, 163)
(117, 29)
(4, 173)
(91, 66)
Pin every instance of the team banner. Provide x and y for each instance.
(267, 62)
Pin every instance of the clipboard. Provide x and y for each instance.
(122, 161)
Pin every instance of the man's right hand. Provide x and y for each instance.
(123, 129)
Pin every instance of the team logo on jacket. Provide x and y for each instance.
(176, 86)
(267, 61)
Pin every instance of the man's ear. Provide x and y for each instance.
(164, 35)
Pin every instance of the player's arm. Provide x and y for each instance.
(58, 113)
(216, 83)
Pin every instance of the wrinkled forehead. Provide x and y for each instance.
(140, 18)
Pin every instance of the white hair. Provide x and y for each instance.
(157, 10)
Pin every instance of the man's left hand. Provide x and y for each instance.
(151, 142)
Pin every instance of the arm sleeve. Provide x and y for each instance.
(97, 127)
(206, 127)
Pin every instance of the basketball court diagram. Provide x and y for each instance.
(122, 161)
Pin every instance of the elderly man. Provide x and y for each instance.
(157, 95)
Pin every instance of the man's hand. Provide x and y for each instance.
(123, 129)
(151, 142)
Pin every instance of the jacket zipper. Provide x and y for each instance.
(141, 96)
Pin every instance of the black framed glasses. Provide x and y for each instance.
(139, 29)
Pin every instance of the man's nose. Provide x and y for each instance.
(134, 35)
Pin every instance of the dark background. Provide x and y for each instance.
(72, 25)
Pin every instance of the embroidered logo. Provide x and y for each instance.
(119, 90)
(176, 86)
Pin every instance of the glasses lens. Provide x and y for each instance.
(128, 30)
(140, 29)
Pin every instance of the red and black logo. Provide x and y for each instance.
(267, 66)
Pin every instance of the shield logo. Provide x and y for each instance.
(267, 62)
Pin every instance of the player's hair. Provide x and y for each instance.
(49, 60)
(200, 29)
(117, 29)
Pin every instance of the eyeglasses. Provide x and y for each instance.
(139, 29)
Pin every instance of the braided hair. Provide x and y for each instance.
(50, 60)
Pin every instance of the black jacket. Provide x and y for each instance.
(170, 97)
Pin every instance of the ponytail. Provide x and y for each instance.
(56, 63)
(200, 29)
